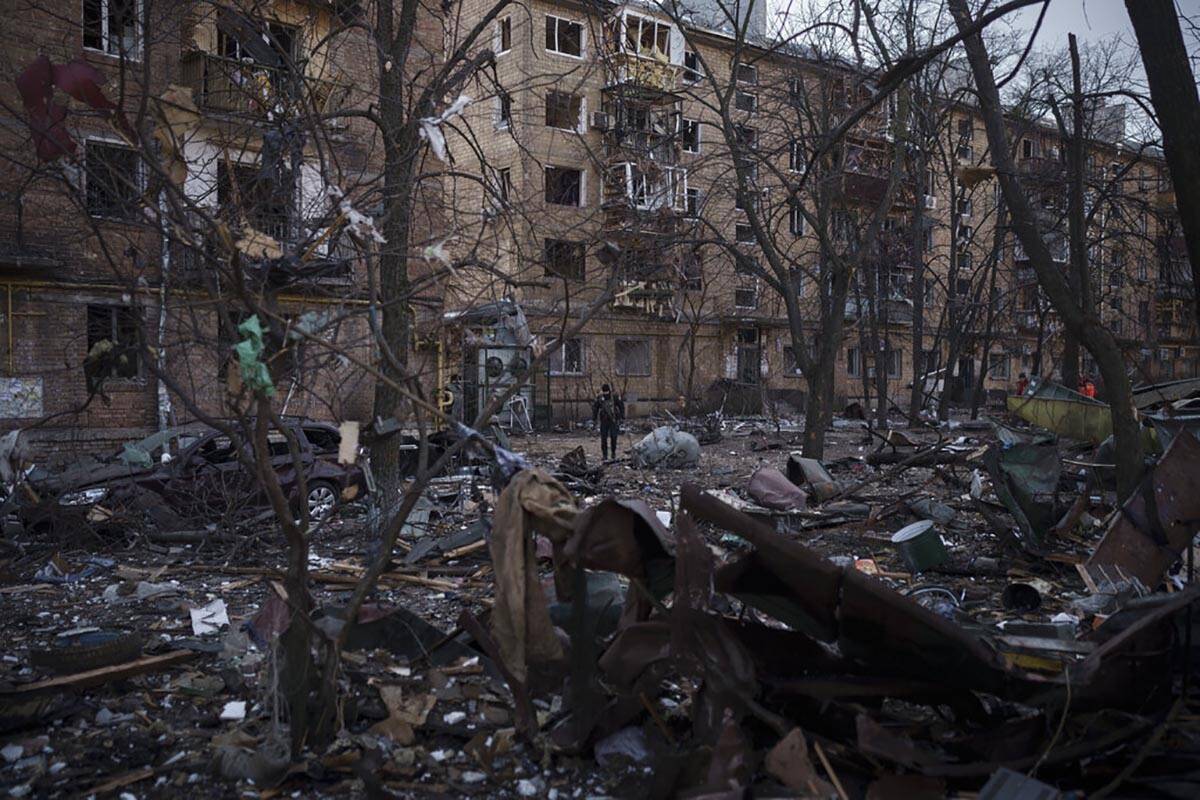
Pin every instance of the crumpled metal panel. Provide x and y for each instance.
(1154, 525)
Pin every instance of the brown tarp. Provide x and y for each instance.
(533, 502)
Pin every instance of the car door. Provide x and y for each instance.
(208, 479)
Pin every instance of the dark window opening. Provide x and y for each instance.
(564, 187)
(263, 202)
(565, 259)
(113, 180)
(563, 110)
(113, 342)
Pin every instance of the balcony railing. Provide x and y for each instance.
(644, 75)
(240, 88)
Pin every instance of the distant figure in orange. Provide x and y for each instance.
(1086, 387)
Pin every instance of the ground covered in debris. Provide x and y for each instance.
(717, 662)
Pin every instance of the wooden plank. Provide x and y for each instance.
(98, 677)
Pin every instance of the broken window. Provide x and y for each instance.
(503, 110)
(749, 355)
(745, 73)
(278, 46)
(746, 137)
(744, 101)
(998, 365)
(632, 356)
(564, 111)
(790, 364)
(567, 358)
(745, 298)
(691, 67)
(1028, 148)
(564, 186)
(693, 272)
(689, 134)
(114, 185)
(113, 342)
(894, 359)
(504, 35)
(111, 26)
(647, 37)
(692, 207)
(564, 36)
(244, 193)
(744, 234)
(795, 217)
(565, 259)
(853, 362)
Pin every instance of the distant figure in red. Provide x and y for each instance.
(1086, 387)
(1022, 384)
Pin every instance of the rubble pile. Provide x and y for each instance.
(953, 611)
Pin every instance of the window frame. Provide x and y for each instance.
(739, 228)
(690, 130)
(623, 370)
(738, 76)
(854, 363)
(139, 181)
(106, 37)
(579, 250)
(693, 74)
(795, 218)
(580, 118)
(504, 35)
(642, 20)
(503, 118)
(562, 360)
(751, 97)
(753, 290)
(581, 202)
(557, 35)
(797, 163)
(115, 311)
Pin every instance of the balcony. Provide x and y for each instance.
(642, 77)
(1040, 168)
(244, 89)
(1027, 320)
(644, 201)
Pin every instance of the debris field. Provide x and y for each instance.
(954, 610)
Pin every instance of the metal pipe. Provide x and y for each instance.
(12, 370)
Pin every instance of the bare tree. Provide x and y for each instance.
(1081, 321)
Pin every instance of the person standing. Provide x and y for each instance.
(608, 410)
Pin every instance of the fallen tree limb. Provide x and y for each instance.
(916, 459)
(97, 677)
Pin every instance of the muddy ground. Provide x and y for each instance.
(154, 735)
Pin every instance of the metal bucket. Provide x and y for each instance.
(920, 545)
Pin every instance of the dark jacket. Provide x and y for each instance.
(608, 408)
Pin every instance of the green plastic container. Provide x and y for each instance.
(920, 545)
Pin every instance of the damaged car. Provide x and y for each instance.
(179, 477)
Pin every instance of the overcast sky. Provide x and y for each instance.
(1090, 20)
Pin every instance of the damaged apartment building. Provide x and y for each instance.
(93, 287)
(602, 149)
(594, 156)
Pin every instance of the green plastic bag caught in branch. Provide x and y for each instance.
(249, 352)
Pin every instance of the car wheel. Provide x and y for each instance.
(322, 500)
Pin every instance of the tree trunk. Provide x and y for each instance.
(401, 149)
(1081, 322)
(1173, 93)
